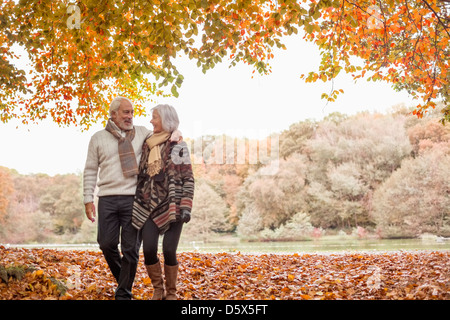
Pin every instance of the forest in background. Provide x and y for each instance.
(365, 175)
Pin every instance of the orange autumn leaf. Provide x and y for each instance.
(146, 281)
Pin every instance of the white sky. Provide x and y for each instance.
(224, 100)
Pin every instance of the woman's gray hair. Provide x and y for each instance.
(169, 117)
(115, 104)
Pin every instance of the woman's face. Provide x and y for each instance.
(156, 122)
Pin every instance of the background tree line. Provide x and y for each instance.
(383, 175)
(43, 209)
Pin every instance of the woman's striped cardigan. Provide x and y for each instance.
(164, 196)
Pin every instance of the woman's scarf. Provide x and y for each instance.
(154, 158)
(126, 151)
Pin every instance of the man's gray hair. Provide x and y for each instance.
(115, 104)
(169, 117)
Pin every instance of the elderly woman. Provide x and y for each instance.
(163, 200)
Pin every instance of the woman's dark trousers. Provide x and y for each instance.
(114, 222)
(150, 236)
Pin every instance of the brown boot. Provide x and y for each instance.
(171, 273)
(155, 273)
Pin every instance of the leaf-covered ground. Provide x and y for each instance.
(77, 274)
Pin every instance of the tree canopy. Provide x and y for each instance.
(83, 53)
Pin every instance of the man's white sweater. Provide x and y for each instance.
(103, 164)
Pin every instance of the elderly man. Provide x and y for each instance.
(113, 156)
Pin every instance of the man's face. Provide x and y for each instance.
(123, 118)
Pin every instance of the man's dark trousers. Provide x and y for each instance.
(114, 221)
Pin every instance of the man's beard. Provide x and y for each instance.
(126, 125)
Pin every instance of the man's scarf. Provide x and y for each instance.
(126, 151)
(154, 158)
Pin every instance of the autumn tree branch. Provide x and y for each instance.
(437, 16)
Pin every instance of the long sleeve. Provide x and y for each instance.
(90, 172)
(187, 177)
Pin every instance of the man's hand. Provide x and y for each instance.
(89, 208)
(176, 136)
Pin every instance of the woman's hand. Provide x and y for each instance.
(185, 216)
